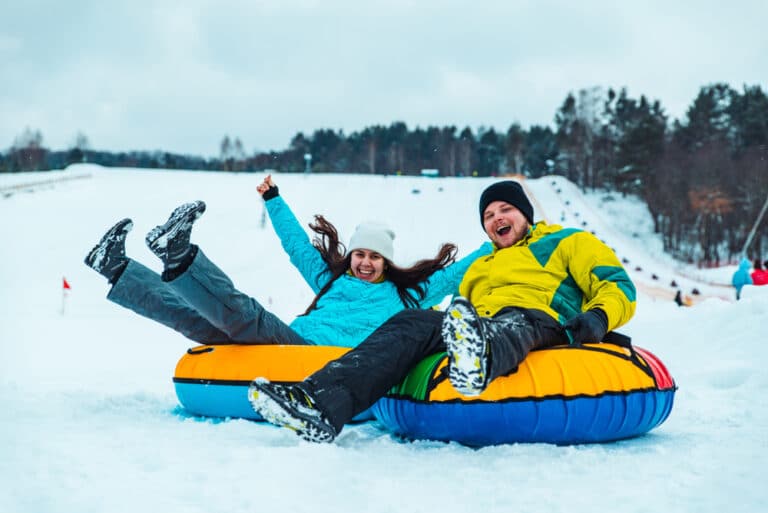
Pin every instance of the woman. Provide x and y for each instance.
(356, 290)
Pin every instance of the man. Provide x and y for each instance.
(542, 286)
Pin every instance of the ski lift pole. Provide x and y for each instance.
(754, 227)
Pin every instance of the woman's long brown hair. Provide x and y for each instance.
(405, 280)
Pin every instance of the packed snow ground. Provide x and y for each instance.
(90, 423)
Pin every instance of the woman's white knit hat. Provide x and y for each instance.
(375, 237)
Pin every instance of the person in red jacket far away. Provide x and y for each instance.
(760, 274)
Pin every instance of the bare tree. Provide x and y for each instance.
(80, 142)
(27, 152)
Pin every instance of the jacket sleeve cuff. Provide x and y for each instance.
(272, 192)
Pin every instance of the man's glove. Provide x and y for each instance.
(589, 326)
(270, 193)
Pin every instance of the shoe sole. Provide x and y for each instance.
(467, 351)
(95, 258)
(157, 238)
(274, 409)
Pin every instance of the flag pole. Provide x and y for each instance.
(64, 288)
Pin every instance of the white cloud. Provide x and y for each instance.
(9, 44)
(145, 75)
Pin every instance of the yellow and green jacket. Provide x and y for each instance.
(560, 271)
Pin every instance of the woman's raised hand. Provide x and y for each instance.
(265, 185)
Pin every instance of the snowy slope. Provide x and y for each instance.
(90, 423)
(626, 226)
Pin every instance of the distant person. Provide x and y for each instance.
(543, 285)
(760, 274)
(682, 300)
(741, 277)
(356, 290)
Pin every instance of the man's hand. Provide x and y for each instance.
(586, 327)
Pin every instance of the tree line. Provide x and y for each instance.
(704, 177)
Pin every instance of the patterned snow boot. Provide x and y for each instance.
(170, 241)
(464, 336)
(108, 256)
(291, 407)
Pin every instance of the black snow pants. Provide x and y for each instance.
(349, 385)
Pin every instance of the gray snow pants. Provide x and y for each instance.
(202, 304)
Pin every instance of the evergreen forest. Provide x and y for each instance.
(703, 177)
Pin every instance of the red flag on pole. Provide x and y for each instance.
(64, 288)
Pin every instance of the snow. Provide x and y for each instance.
(89, 420)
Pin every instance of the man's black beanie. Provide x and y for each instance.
(510, 192)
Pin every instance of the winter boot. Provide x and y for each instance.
(291, 407)
(481, 349)
(464, 336)
(170, 241)
(108, 256)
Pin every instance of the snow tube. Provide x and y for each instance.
(212, 381)
(562, 395)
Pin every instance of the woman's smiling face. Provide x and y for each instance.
(367, 265)
(504, 224)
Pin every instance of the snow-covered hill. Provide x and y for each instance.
(626, 225)
(89, 420)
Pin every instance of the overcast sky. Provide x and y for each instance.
(179, 75)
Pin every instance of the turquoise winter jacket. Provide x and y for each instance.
(741, 277)
(352, 308)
